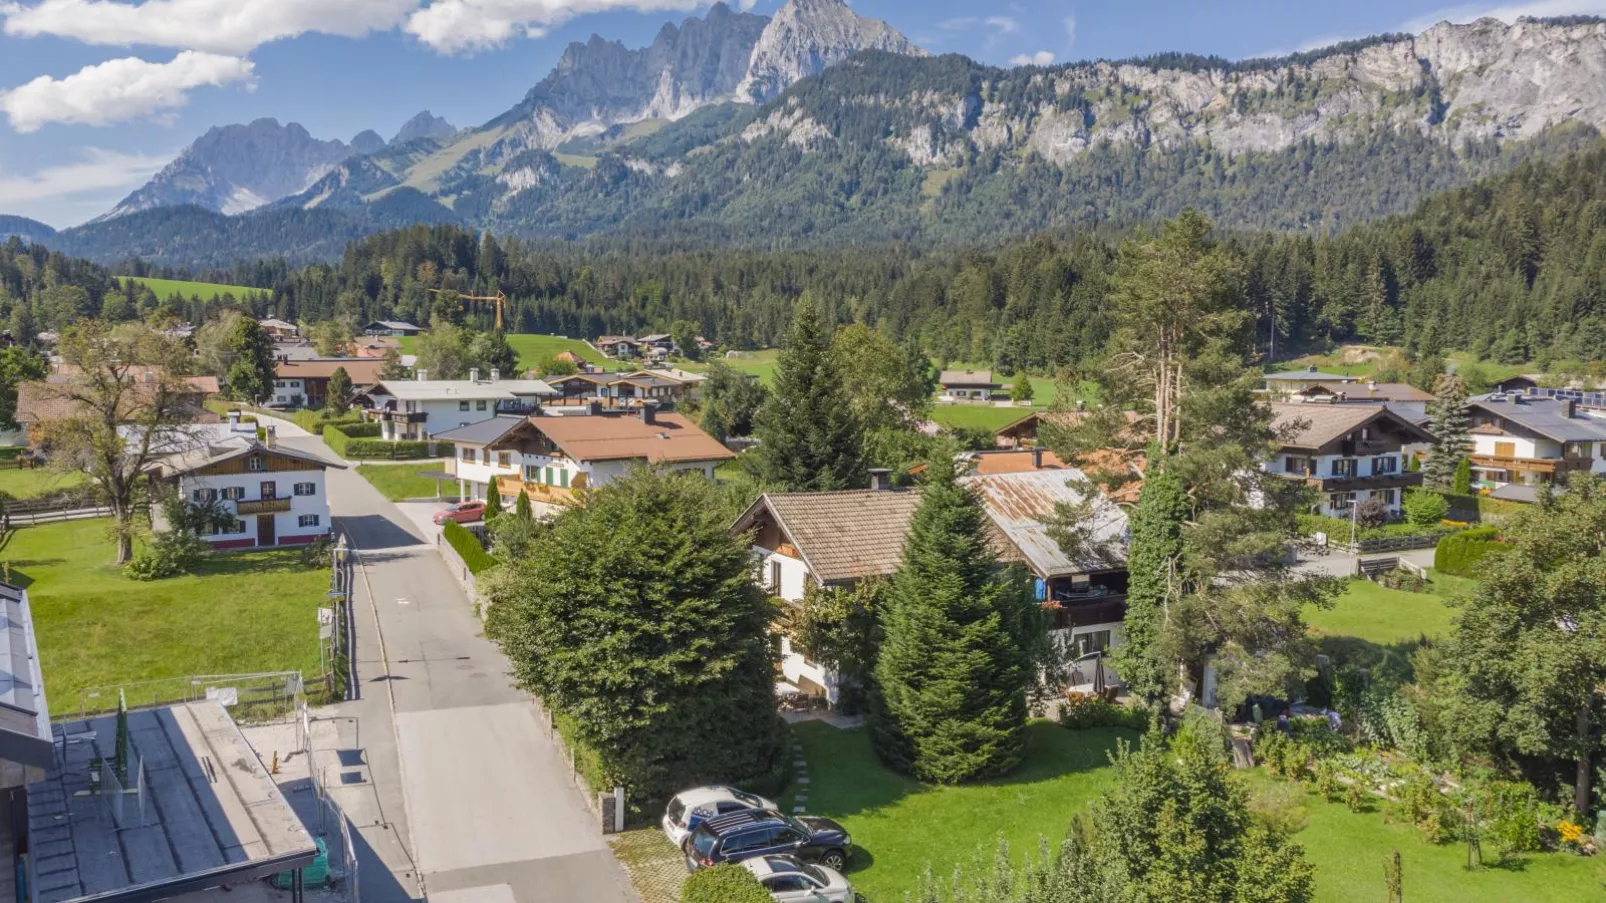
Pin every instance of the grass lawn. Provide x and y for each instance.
(245, 612)
(35, 482)
(399, 482)
(1381, 615)
(532, 349)
(976, 415)
(206, 291)
(900, 825)
(758, 363)
(1349, 848)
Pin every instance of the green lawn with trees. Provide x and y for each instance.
(533, 349)
(1377, 614)
(400, 482)
(242, 612)
(35, 482)
(206, 291)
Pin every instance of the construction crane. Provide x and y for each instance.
(499, 299)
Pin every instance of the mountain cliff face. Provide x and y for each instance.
(236, 168)
(806, 37)
(424, 125)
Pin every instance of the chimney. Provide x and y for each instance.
(649, 413)
(1311, 369)
(1569, 409)
(421, 375)
(1037, 459)
(234, 421)
(270, 434)
(473, 374)
(880, 479)
(1372, 385)
(495, 374)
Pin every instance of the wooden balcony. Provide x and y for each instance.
(1544, 466)
(263, 506)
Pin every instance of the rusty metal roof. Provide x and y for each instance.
(1021, 505)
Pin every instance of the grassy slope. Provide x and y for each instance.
(1333, 363)
(247, 611)
(206, 291)
(399, 482)
(532, 349)
(1381, 615)
(899, 825)
(33, 483)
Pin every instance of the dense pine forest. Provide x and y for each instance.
(1512, 267)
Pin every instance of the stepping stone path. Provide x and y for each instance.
(800, 772)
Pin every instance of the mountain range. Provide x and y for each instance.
(821, 126)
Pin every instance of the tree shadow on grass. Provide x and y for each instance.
(266, 561)
(19, 577)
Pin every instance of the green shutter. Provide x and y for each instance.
(564, 476)
(549, 480)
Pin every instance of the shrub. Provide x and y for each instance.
(468, 547)
(724, 883)
(1327, 783)
(1281, 755)
(1417, 800)
(1355, 797)
(1371, 513)
(381, 448)
(1513, 815)
(168, 555)
(1425, 508)
(1280, 807)
(1459, 553)
(1082, 712)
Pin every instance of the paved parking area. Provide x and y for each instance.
(419, 517)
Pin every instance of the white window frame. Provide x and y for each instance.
(305, 489)
(307, 520)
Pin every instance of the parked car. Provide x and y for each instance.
(690, 808)
(791, 880)
(766, 832)
(462, 513)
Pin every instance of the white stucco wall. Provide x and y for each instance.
(286, 524)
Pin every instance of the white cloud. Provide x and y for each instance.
(97, 171)
(995, 26)
(118, 90)
(1002, 24)
(1506, 12)
(221, 26)
(464, 26)
(1040, 58)
(1070, 31)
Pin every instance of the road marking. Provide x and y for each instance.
(402, 602)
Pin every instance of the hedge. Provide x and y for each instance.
(724, 883)
(362, 440)
(314, 421)
(468, 547)
(1459, 553)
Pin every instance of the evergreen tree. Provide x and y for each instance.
(1462, 484)
(338, 397)
(810, 440)
(949, 702)
(1450, 425)
(1021, 391)
(1154, 561)
(521, 507)
(635, 616)
(493, 503)
(250, 376)
(490, 351)
(18, 364)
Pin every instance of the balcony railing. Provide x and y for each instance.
(263, 506)
(1533, 465)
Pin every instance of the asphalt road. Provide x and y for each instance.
(491, 814)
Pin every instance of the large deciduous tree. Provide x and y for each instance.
(810, 439)
(18, 364)
(731, 401)
(1528, 657)
(1450, 426)
(126, 407)
(636, 615)
(884, 390)
(960, 637)
(250, 373)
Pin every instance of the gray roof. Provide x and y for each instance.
(483, 432)
(966, 378)
(1317, 375)
(461, 389)
(213, 815)
(396, 324)
(1020, 504)
(24, 714)
(1545, 416)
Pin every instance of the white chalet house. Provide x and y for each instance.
(1532, 439)
(967, 385)
(549, 456)
(278, 496)
(423, 408)
(1348, 453)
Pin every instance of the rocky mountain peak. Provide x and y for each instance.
(424, 125)
(807, 36)
(367, 141)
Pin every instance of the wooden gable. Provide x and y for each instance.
(276, 463)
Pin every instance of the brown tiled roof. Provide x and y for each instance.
(842, 536)
(46, 401)
(363, 371)
(1368, 392)
(205, 385)
(1324, 423)
(966, 378)
(613, 437)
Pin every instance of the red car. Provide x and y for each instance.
(462, 512)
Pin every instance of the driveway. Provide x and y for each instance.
(491, 812)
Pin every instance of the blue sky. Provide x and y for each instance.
(96, 95)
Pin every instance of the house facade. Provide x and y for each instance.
(1347, 453)
(305, 383)
(278, 496)
(619, 346)
(391, 327)
(1532, 440)
(967, 385)
(420, 408)
(616, 391)
(550, 457)
(1293, 382)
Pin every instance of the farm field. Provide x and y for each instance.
(532, 349)
(206, 291)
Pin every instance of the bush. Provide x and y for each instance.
(346, 446)
(1356, 798)
(1513, 815)
(1082, 712)
(314, 421)
(468, 547)
(1328, 787)
(1425, 508)
(1458, 554)
(1417, 800)
(724, 883)
(1280, 807)
(168, 555)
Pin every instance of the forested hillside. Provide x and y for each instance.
(1513, 267)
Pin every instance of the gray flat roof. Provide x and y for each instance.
(482, 432)
(24, 714)
(1545, 416)
(212, 815)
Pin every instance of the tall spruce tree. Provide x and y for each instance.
(1154, 561)
(1450, 426)
(250, 377)
(810, 440)
(949, 702)
(338, 396)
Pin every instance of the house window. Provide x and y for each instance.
(278, 384)
(1344, 467)
(532, 474)
(462, 406)
(256, 464)
(1341, 501)
(306, 489)
(1385, 464)
(1386, 496)
(563, 478)
(504, 459)
(1580, 450)
(270, 489)
(1297, 464)
(1093, 641)
(468, 454)
(234, 493)
(775, 577)
(479, 405)
(237, 527)
(202, 496)
(549, 480)
(1505, 449)
(307, 520)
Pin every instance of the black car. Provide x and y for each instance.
(763, 832)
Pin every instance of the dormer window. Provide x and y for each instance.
(256, 463)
